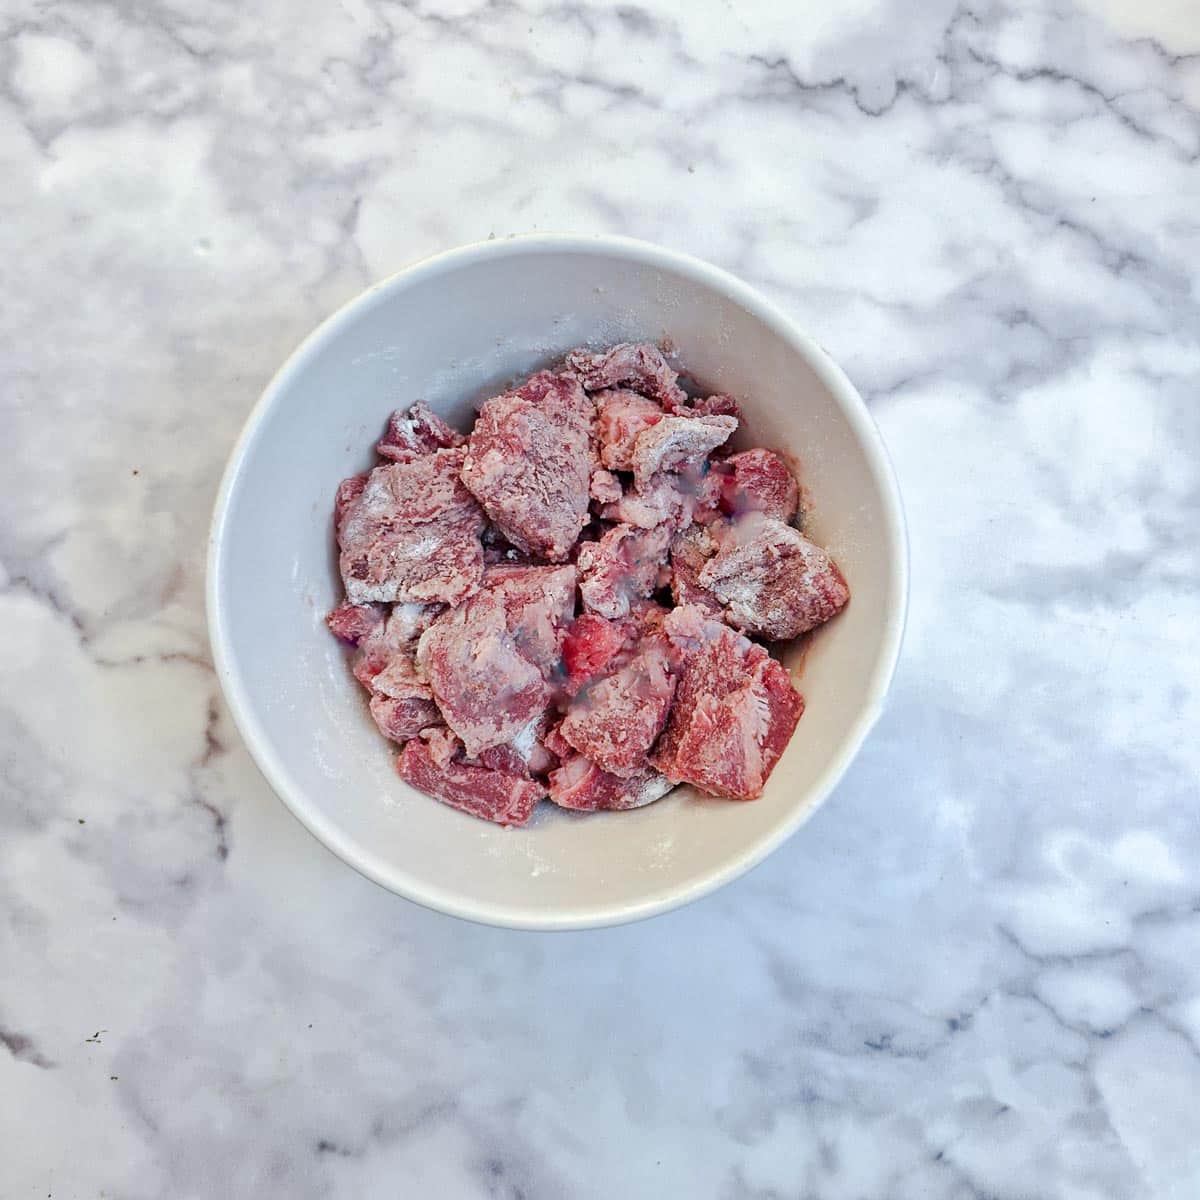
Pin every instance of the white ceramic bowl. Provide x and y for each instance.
(452, 330)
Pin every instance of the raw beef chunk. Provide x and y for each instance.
(416, 431)
(556, 744)
(690, 551)
(772, 581)
(539, 603)
(584, 787)
(348, 491)
(412, 534)
(352, 622)
(708, 487)
(391, 646)
(677, 440)
(591, 643)
(615, 721)
(620, 416)
(733, 714)
(621, 566)
(490, 661)
(403, 719)
(529, 462)
(400, 679)
(718, 405)
(487, 690)
(605, 487)
(664, 499)
(759, 481)
(525, 755)
(401, 701)
(492, 795)
(640, 366)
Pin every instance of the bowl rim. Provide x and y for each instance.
(664, 899)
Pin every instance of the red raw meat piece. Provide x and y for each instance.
(391, 646)
(621, 566)
(353, 622)
(348, 491)
(615, 721)
(444, 747)
(487, 690)
(529, 462)
(416, 431)
(759, 481)
(489, 662)
(592, 642)
(492, 795)
(717, 405)
(664, 499)
(412, 534)
(690, 552)
(677, 440)
(401, 701)
(400, 679)
(605, 487)
(403, 719)
(772, 581)
(525, 755)
(640, 365)
(734, 710)
(539, 603)
(620, 416)
(584, 787)
(557, 744)
(595, 644)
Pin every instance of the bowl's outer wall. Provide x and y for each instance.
(453, 331)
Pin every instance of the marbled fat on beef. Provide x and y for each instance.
(393, 643)
(539, 603)
(530, 460)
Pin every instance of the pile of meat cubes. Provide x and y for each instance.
(568, 603)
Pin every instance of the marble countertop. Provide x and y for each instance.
(976, 973)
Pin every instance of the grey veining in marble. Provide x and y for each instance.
(976, 974)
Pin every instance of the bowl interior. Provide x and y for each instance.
(453, 331)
